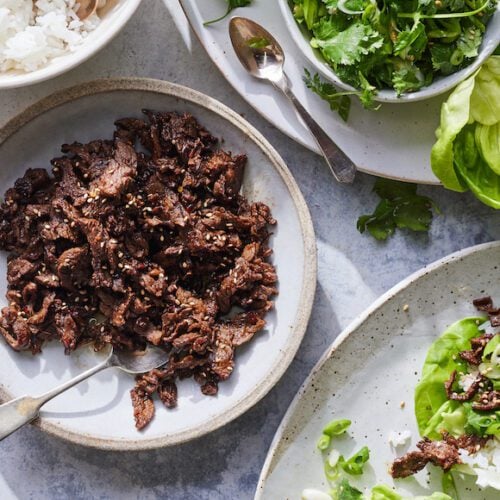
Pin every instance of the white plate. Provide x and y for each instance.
(370, 369)
(393, 142)
(99, 413)
(115, 17)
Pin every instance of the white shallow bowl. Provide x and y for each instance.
(440, 85)
(113, 20)
(369, 370)
(98, 412)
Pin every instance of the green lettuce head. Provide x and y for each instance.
(466, 154)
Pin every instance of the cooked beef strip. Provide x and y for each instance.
(444, 454)
(409, 464)
(486, 304)
(468, 394)
(488, 401)
(130, 245)
(474, 355)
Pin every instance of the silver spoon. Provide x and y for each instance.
(263, 57)
(24, 409)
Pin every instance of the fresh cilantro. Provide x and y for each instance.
(400, 207)
(397, 44)
(348, 46)
(407, 78)
(231, 5)
(340, 101)
(411, 42)
(344, 491)
(469, 42)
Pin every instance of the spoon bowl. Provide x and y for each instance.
(138, 362)
(258, 51)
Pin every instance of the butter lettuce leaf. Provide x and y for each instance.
(466, 154)
(473, 170)
(442, 358)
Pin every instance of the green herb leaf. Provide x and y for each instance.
(349, 45)
(344, 491)
(400, 207)
(338, 101)
(231, 5)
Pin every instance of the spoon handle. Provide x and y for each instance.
(342, 167)
(21, 411)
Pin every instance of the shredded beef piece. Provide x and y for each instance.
(144, 408)
(444, 454)
(409, 464)
(486, 304)
(488, 401)
(467, 395)
(141, 239)
(474, 355)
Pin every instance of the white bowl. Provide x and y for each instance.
(440, 85)
(111, 23)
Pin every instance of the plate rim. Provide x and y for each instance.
(349, 330)
(307, 294)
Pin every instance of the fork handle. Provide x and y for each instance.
(23, 410)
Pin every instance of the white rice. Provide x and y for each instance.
(485, 464)
(34, 32)
(398, 439)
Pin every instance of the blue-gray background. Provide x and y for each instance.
(353, 270)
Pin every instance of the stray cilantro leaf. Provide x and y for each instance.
(231, 5)
(400, 207)
(344, 491)
(258, 42)
(338, 101)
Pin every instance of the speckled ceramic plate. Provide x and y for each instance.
(98, 412)
(370, 370)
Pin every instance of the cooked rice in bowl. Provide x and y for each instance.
(34, 32)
